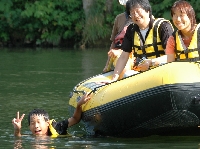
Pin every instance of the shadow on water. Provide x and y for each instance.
(43, 78)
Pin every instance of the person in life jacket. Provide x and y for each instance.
(184, 44)
(146, 38)
(40, 123)
(122, 21)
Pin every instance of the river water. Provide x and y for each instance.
(43, 78)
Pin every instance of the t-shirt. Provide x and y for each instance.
(170, 48)
(144, 32)
(165, 31)
(60, 127)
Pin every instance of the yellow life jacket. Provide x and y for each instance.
(52, 130)
(152, 46)
(54, 133)
(190, 53)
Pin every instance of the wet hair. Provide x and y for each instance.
(184, 6)
(144, 4)
(38, 112)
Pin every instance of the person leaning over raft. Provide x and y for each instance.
(40, 124)
(148, 37)
(119, 29)
(185, 42)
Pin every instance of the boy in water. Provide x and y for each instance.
(40, 124)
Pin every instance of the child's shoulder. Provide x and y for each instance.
(58, 128)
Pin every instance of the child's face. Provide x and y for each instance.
(38, 125)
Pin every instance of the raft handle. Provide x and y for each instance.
(83, 92)
(76, 91)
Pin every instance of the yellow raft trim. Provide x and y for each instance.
(171, 73)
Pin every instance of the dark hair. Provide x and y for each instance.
(141, 3)
(38, 112)
(144, 4)
(184, 6)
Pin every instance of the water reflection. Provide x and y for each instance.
(39, 142)
(153, 142)
(43, 79)
(18, 144)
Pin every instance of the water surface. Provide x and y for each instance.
(43, 78)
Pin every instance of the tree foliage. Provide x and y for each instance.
(62, 22)
(45, 22)
(163, 8)
(100, 21)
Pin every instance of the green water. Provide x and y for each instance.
(43, 78)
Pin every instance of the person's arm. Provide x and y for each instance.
(170, 49)
(112, 46)
(77, 113)
(115, 52)
(153, 62)
(169, 53)
(121, 63)
(115, 31)
(112, 38)
(165, 33)
(127, 49)
(106, 68)
(17, 124)
(112, 54)
(170, 58)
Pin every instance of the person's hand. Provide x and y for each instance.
(144, 65)
(105, 69)
(103, 82)
(114, 78)
(17, 121)
(83, 99)
(114, 53)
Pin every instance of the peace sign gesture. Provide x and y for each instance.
(17, 122)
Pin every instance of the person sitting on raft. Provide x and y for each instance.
(146, 38)
(122, 21)
(184, 44)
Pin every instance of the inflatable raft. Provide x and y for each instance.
(161, 101)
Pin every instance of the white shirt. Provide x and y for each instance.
(144, 32)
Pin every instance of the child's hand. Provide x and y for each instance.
(83, 99)
(17, 121)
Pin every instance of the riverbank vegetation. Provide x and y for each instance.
(65, 23)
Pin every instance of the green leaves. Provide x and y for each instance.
(42, 22)
(48, 22)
